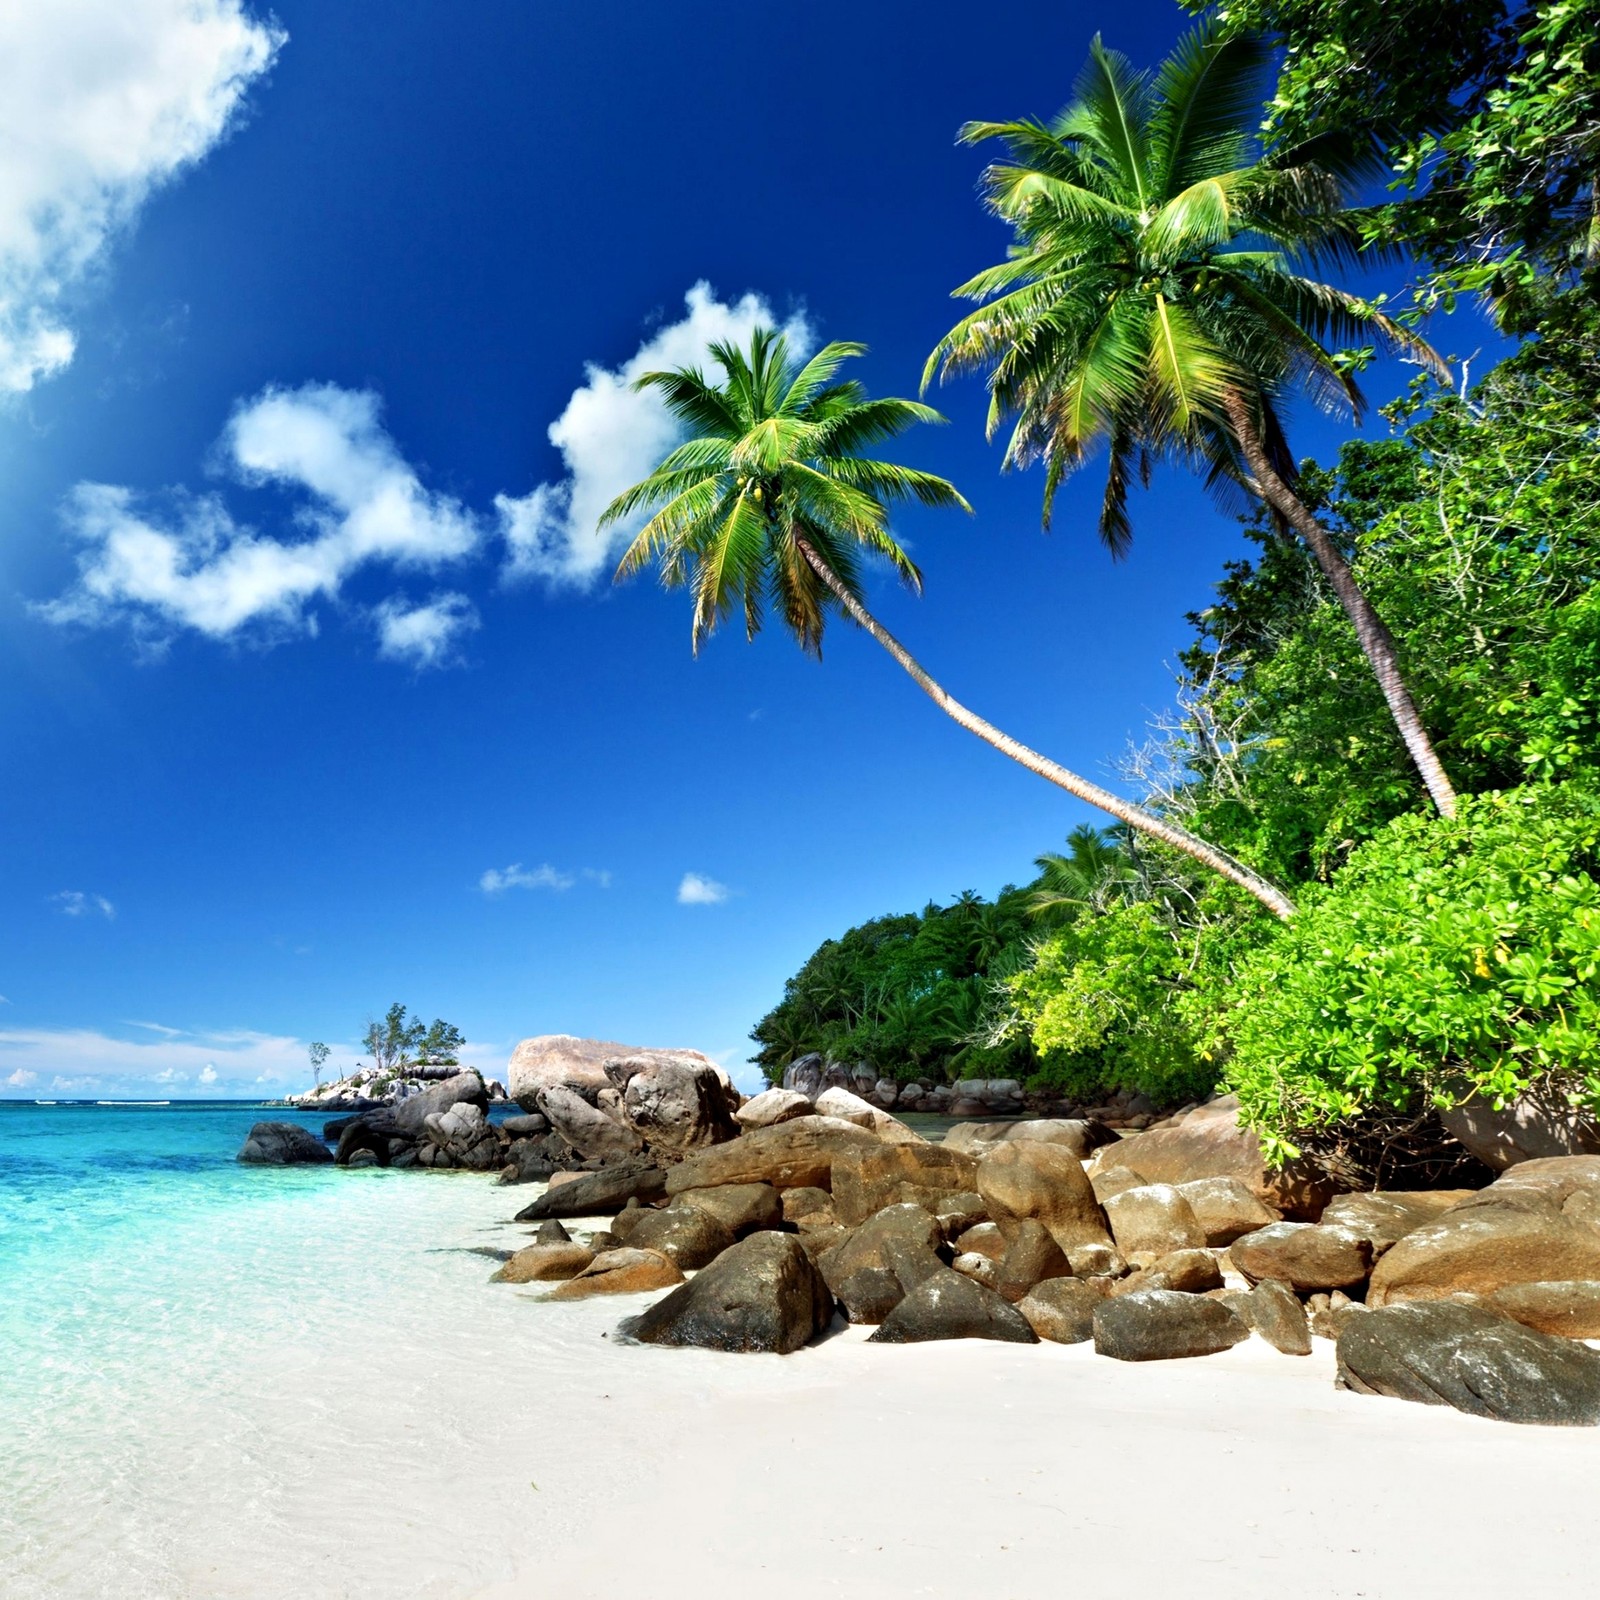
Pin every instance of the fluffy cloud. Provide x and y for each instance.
(425, 635)
(191, 565)
(498, 879)
(610, 437)
(101, 102)
(75, 903)
(21, 1079)
(698, 890)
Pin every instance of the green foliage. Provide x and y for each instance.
(318, 1053)
(401, 1042)
(1447, 959)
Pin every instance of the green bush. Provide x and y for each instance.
(1446, 960)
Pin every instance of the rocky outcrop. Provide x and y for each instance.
(870, 1176)
(762, 1294)
(1164, 1325)
(283, 1144)
(947, 1305)
(1473, 1359)
(1045, 1182)
(793, 1155)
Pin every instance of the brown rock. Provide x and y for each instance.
(798, 1203)
(1557, 1179)
(976, 1138)
(1569, 1309)
(1304, 1255)
(1109, 1181)
(1386, 1217)
(1526, 1130)
(1030, 1258)
(1062, 1309)
(771, 1107)
(545, 1263)
(1273, 1310)
(1187, 1271)
(622, 1271)
(1153, 1220)
(1163, 1325)
(1225, 1208)
(867, 1178)
(676, 1099)
(869, 1295)
(980, 1269)
(597, 1194)
(985, 1239)
(687, 1235)
(817, 1242)
(958, 1212)
(902, 1239)
(740, 1207)
(793, 1155)
(1209, 1143)
(1047, 1183)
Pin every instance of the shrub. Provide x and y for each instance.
(1446, 960)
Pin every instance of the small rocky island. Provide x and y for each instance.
(1174, 1240)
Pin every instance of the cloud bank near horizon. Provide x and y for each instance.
(101, 103)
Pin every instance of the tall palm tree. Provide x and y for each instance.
(769, 502)
(1153, 298)
(1093, 872)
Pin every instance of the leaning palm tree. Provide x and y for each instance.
(768, 501)
(1153, 299)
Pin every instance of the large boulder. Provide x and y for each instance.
(793, 1155)
(690, 1237)
(560, 1060)
(805, 1075)
(1163, 1325)
(1081, 1137)
(465, 1088)
(590, 1128)
(772, 1106)
(1045, 1182)
(283, 1144)
(1509, 1233)
(1225, 1208)
(621, 1271)
(1304, 1255)
(1571, 1310)
(676, 1099)
(1471, 1358)
(1062, 1309)
(1208, 1142)
(871, 1176)
(948, 1305)
(1153, 1220)
(1031, 1258)
(599, 1194)
(1384, 1218)
(763, 1293)
(740, 1207)
(1531, 1128)
(902, 1240)
(545, 1263)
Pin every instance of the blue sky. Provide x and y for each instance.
(314, 332)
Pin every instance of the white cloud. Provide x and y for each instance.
(196, 567)
(208, 1075)
(498, 879)
(610, 437)
(22, 1079)
(75, 903)
(425, 635)
(698, 890)
(101, 102)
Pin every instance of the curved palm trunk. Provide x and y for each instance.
(1377, 643)
(1274, 899)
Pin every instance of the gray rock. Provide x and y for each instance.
(528, 1126)
(589, 1128)
(1274, 1311)
(1187, 1271)
(1031, 1257)
(1529, 1129)
(283, 1144)
(741, 1207)
(552, 1232)
(1474, 1359)
(762, 1293)
(869, 1294)
(1163, 1324)
(1304, 1255)
(947, 1305)
(901, 1239)
(793, 1155)
(1153, 1221)
(805, 1076)
(771, 1107)
(1385, 1218)
(1079, 1136)
(1062, 1309)
(598, 1194)
(1226, 1209)
(465, 1088)
(678, 1100)
(690, 1237)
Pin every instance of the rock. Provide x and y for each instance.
(1109, 1181)
(466, 1134)
(885, 1092)
(589, 1128)
(1304, 1255)
(798, 1203)
(804, 1075)
(947, 1305)
(1569, 1310)
(370, 1134)
(598, 1194)
(1485, 1244)
(1557, 1180)
(853, 1108)
(465, 1088)
(1062, 1309)
(1273, 1310)
(621, 1271)
(771, 1107)
(560, 1060)
(817, 1242)
(984, 1239)
(283, 1144)
(1473, 1359)
(1096, 1261)
(689, 1236)
(869, 1294)
(1209, 1143)
(981, 1269)
(1225, 1208)
(1162, 1324)
(1045, 1182)
(958, 1212)
(763, 1293)
(1153, 1220)
(1326, 1314)
(676, 1099)
(740, 1207)
(1187, 1271)
(1384, 1219)
(545, 1263)
(552, 1232)
(1031, 1257)
(869, 1177)
(1527, 1129)
(793, 1155)
(902, 1239)
(528, 1126)
(1080, 1137)
(363, 1158)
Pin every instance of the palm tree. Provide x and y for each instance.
(1094, 871)
(768, 501)
(1152, 298)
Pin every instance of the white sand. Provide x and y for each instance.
(381, 1423)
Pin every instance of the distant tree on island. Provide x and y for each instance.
(401, 1043)
(319, 1059)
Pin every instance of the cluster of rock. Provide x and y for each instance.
(1177, 1242)
(969, 1097)
(369, 1087)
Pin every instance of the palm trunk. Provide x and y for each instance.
(1377, 643)
(1274, 899)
